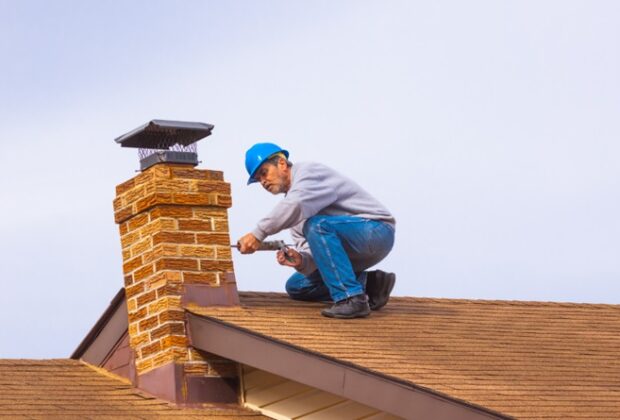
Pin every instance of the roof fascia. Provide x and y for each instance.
(244, 346)
(106, 333)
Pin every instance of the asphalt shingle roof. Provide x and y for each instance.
(523, 359)
(70, 389)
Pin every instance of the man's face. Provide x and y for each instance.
(274, 178)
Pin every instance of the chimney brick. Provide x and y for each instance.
(173, 224)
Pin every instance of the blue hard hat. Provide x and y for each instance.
(257, 155)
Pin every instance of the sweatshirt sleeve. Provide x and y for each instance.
(287, 213)
(309, 194)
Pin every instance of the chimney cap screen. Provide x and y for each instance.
(162, 134)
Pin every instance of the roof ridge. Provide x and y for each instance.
(508, 302)
(250, 293)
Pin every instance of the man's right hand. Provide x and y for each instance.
(248, 244)
(291, 259)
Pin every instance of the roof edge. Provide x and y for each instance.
(94, 332)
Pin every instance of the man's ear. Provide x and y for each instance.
(282, 163)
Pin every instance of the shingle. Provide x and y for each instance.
(63, 388)
(523, 359)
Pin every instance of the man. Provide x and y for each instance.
(339, 231)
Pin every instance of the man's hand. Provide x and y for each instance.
(294, 258)
(248, 244)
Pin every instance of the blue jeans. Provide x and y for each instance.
(342, 247)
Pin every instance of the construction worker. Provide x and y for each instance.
(338, 228)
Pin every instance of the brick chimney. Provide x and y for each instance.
(176, 250)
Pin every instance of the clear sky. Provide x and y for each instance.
(490, 129)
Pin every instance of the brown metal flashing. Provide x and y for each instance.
(202, 389)
(106, 332)
(334, 376)
(203, 295)
(163, 382)
(169, 382)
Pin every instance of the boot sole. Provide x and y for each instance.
(351, 316)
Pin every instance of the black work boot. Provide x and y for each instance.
(379, 285)
(353, 307)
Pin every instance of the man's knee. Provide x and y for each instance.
(293, 287)
(311, 288)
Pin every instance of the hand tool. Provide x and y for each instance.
(277, 245)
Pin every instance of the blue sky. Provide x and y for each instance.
(490, 129)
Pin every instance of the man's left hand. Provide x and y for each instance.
(248, 244)
(292, 258)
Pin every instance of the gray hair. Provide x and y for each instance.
(276, 158)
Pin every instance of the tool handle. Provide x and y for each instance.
(268, 245)
(271, 245)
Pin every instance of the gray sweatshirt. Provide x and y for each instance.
(318, 189)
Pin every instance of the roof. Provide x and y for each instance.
(519, 359)
(67, 389)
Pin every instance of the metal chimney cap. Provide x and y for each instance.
(161, 134)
